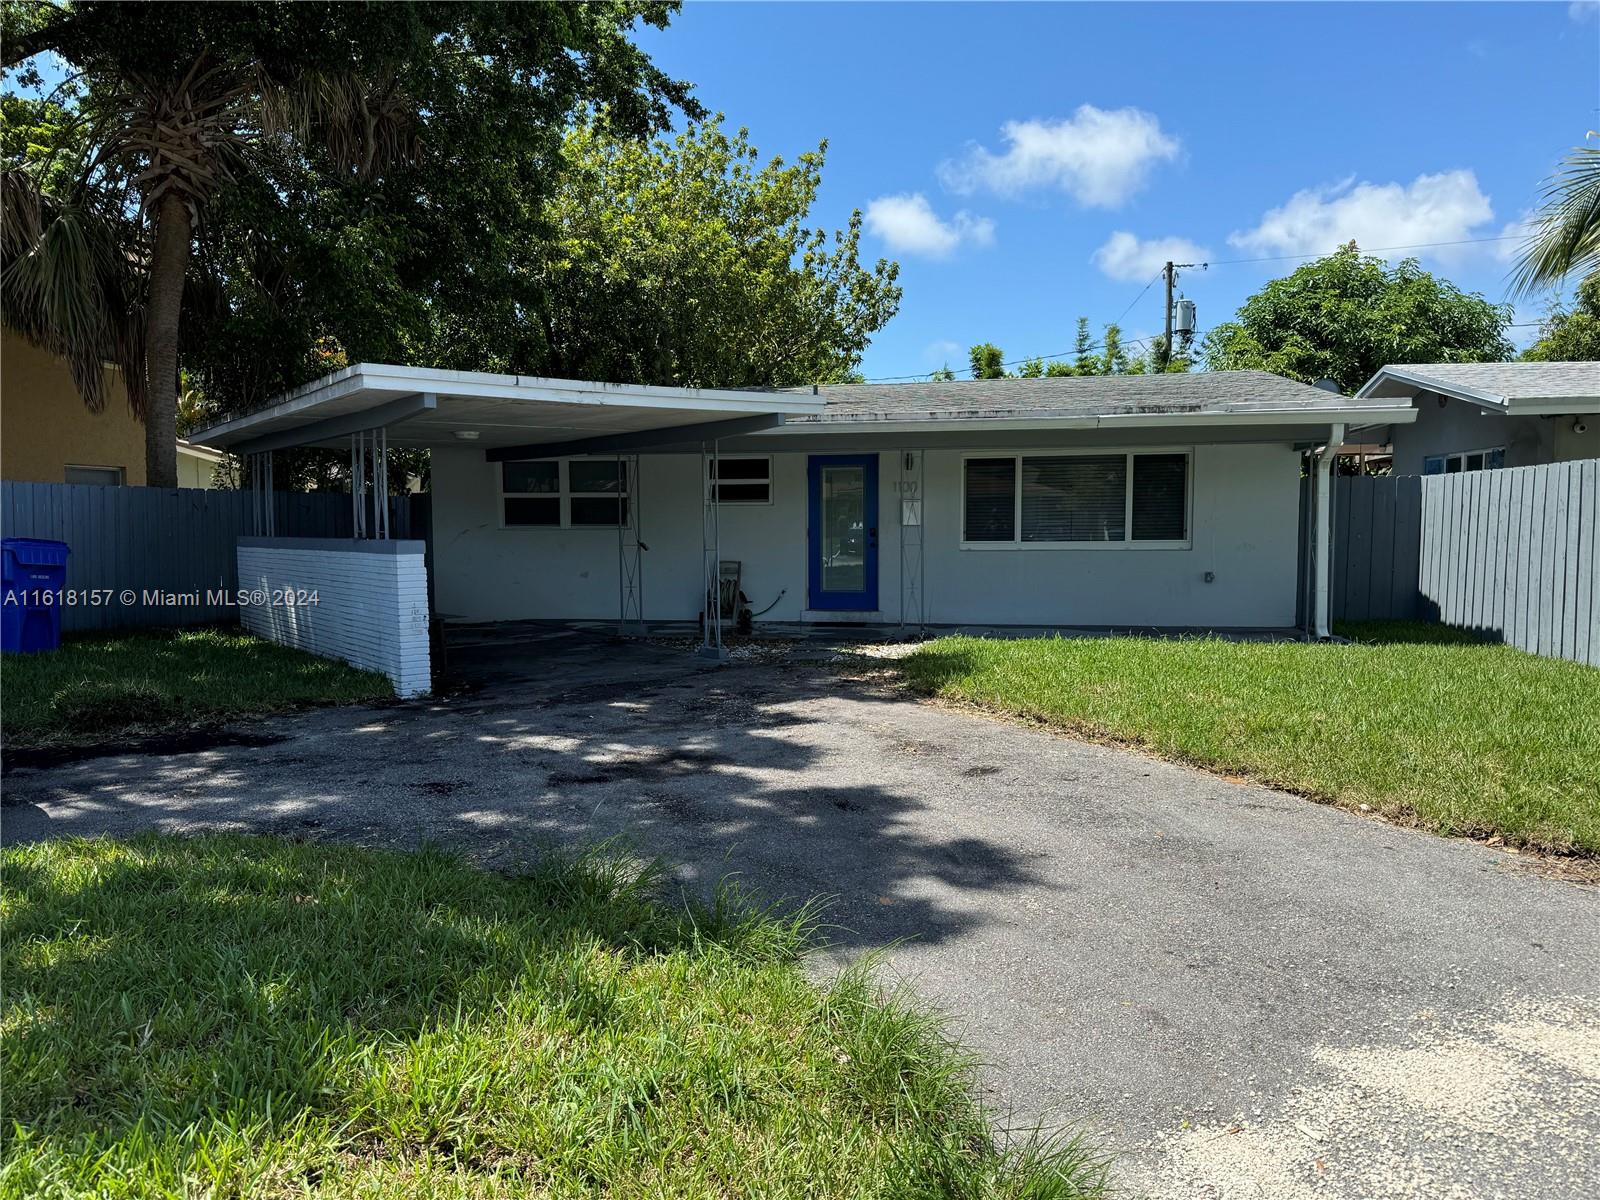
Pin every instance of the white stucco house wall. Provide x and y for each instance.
(1129, 501)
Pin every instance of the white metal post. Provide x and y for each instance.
(711, 553)
(630, 549)
(1323, 625)
(913, 604)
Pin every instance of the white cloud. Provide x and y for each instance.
(1127, 258)
(944, 351)
(908, 224)
(1583, 10)
(1514, 235)
(1447, 207)
(1100, 157)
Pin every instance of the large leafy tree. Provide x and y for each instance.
(1344, 316)
(690, 261)
(1571, 333)
(383, 157)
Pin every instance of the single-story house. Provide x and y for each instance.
(1167, 500)
(1479, 416)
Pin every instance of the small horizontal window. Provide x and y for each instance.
(103, 476)
(1466, 460)
(599, 510)
(742, 480)
(597, 475)
(576, 492)
(533, 510)
(530, 477)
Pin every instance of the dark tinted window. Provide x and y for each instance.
(991, 500)
(1160, 497)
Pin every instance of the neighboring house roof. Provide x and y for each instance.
(201, 452)
(1200, 397)
(1524, 388)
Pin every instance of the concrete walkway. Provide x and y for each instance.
(1240, 993)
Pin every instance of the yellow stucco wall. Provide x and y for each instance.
(44, 425)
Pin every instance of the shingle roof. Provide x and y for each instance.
(1507, 382)
(1078, 396)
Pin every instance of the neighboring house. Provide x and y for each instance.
(1478, 416)
(197, 465)
(1166, 500)
(48, 436)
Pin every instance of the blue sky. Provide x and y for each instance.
(1029, 163)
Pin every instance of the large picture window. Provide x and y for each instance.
(1120, 498)
(563, 493)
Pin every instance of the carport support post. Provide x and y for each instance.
(711, 555)
(1322, 625)
(913, 605)
(630, 557)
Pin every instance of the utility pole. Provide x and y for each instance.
(1166, 346)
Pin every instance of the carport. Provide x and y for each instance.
(371, 607)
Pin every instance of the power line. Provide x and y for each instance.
(1140, 296)
(1231, 262)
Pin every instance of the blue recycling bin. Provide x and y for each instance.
(35, 571)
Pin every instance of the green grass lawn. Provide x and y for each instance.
(102, 687)
(230, 1016)
(1420, 723)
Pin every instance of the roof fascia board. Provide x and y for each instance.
(477, 385)
(1428, 383)
(1372, 414)
(382, 377)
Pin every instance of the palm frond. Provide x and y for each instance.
(1566, 231)
(366, 125)
(65, 286)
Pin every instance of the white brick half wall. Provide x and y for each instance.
(371, 606)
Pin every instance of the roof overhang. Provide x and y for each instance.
(1396, 382)
(1352, 415)
(421, 407)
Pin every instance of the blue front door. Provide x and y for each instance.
(843, 541)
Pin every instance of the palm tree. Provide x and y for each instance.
(98, 274)
(1566, 230)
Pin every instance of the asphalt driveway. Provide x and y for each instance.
(1239, 992)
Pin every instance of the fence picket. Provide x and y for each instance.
(1514, 553)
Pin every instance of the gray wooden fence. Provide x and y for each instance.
(172, 541)
(1513, 554)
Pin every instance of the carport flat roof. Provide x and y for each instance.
(423, 407)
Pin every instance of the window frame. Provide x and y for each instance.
(721, 458)
(564, 495)
(1127, 542)
(1463, 455)
(121, 474)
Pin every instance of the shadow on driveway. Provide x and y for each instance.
(555, 736)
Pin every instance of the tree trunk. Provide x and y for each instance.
(169, 264)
